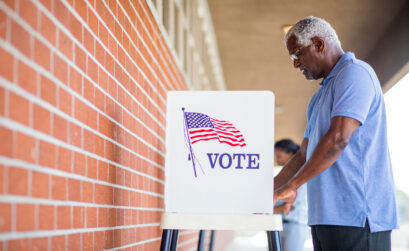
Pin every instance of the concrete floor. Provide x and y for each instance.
(256, 241)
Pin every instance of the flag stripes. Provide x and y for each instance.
(204, 128)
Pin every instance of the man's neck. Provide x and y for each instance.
(333, 58)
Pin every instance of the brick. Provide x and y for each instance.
(91, 217)
(75, 133)
(99, 240)
(105, 126)
(85, 114)
(19, 244)
(117, 237)
(88, 42)
(62, 13)
(80, 59)
(7, 142)
(20, 38)
(27, 78)
(46, 217)
(65, 44)
(2, 179)
(42, 54)
(29, 12)
(99, 53)
(47, 154)
(87, 241)
(102, 217)
(89, 90)
(103, 79)
(74, 190)
(99, 146)
(25, 217)
(41, 119)
(75, 28)
(39, 244)
(5, 217)
(48, 29)
(65, 101)
(64, 159)
(19, 108)
(60, 128)
(2, 101)
(109, 239)
(40, 185)
(87, 192)
(92, 168)
(3, 25)
(60, 69)
(78, 217)
(74, 242)
(79, 163)
(99, 100)
(25, 149)
(63, 217)
(76, 81)
(92, 70)
(102, 171)
(48, 90)
(58, 243)
(92, 22)
(89, 141)
(58, 188)
(112, 174)
(103, 194)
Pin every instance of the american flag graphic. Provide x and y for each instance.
(203, 128)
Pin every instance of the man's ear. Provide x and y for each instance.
(319, 44)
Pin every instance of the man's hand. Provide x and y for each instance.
(280, 209)
(288, 195)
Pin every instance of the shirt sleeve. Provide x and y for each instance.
(307, 131)
(354, 93)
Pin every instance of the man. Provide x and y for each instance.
(344, 156)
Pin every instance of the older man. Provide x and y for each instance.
(344, 156)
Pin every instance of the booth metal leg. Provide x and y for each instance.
(273, 241)
(200, 244)
(174, 240)
(211, 240)
(166, 240)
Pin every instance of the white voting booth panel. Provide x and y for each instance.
(219, 160)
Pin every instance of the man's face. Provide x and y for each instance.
(304, 58)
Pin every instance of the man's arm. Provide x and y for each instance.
(327, 151)
(292, 166)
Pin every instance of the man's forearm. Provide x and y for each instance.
(327, 151)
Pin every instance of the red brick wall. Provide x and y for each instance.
(82, 125)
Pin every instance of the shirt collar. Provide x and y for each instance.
(338, 66)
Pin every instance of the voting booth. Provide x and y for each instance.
(219, 163)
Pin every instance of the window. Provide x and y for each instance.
(188, 31)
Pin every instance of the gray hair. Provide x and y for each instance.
(308, 28)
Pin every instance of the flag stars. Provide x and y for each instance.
(198, 120)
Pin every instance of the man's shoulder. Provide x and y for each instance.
(356, 70)
(357, 66)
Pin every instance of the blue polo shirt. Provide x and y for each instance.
(359, 185)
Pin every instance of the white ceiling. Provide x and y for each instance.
(250, 39)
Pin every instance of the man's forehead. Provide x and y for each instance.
(292, 43)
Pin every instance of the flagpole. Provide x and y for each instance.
(190, 146)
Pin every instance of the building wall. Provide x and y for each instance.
(82, 125)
